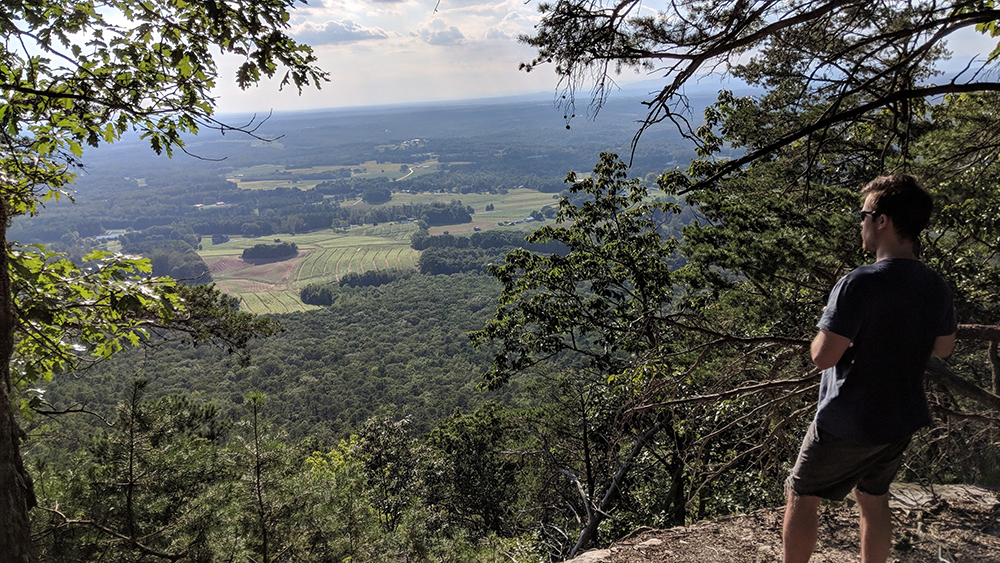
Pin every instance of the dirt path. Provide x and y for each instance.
(959, 525)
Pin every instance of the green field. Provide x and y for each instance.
(513, 206)
(245, 177)
(328, 255)
(324, 256)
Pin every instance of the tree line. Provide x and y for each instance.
(263, 251)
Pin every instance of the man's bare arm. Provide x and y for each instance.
(827, 348)
(943, 345)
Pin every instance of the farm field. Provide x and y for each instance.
(328, 255)
(324, 256)
(245, 177)
(514, 205)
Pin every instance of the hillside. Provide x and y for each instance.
(400, 347)
(957, 523)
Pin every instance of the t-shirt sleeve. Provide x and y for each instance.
(844, 310)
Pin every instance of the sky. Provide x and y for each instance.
(400, 51)
(404, 51)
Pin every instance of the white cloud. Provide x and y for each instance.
(490, 22)
(494, 34)
(441, 35)
(462, 4)
(372, 48)
(333, 32)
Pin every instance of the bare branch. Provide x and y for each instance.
(748, 390)
(978, 332)
(940, 373)
(623, 469)
(52, 412)
(145, 550)
(961, 416)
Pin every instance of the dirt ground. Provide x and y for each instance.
(947, 525)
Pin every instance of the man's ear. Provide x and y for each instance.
(886, 225)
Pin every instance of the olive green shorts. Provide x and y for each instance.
(830, 467)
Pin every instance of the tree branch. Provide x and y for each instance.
(942, 374)
(748, 390)
(841, 117)
(595, 520)
(145, 550)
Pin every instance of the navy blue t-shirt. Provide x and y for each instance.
(892, 311)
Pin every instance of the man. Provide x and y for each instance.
(882, 323)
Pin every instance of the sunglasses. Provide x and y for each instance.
(864, 212)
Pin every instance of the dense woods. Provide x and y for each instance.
(401, 345)
(364, 420)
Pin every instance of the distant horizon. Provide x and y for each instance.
(629, 91)
(625, 90)
(387, 54)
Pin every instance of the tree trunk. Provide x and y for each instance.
(17, 495)
(597, 516)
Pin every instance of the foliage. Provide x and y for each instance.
(600, 300)
(160, 233)
(402, 346)
(271, 251)
(264, 498)
(780, 232)
(65, 312)
(655, 394)
(388, 454)
(376, 196)
(161, 81)
(76, 74)
(173, 258)
(471, 478)
(345, 525)
(170, 482)
(318, 294)
(147, 474)
(449, 260)
(828, 113)
(828, 53)
(487, 240)
(373, 278)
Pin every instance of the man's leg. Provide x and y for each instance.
(800, 528)
(876, 527)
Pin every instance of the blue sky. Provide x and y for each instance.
(404, 51)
